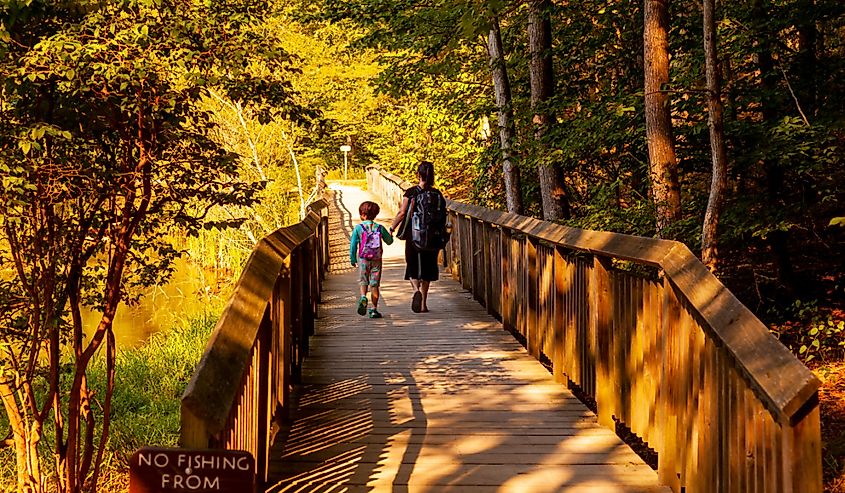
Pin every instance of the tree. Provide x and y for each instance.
(502, 88)
(663, 163)
(552, 193)
(104, 154)
(718, 182)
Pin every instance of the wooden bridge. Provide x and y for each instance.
(480, 394)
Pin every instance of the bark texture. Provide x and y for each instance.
(552, 193)
(502, 88)
(663, 163)
(715, 122)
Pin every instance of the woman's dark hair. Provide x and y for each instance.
(426, 172)
(369, 210)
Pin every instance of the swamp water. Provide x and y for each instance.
(191, 292)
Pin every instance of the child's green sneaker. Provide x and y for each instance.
(374, 313)
(362, 306)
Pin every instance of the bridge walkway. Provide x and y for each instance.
(445, 401)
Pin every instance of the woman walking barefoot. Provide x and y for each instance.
(420, 265)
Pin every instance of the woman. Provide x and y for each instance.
(420, 266)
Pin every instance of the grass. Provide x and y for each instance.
(149, 382)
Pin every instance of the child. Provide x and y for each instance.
(365, 251)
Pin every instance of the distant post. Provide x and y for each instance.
(345, 149)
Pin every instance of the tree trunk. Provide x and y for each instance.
(715, 121)
(552, 193)
(502, 87)
(663, 164)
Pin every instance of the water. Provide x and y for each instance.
(191, 292)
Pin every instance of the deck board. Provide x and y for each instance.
(444, 401)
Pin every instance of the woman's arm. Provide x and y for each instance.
(399, 217)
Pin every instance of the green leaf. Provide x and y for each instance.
(837, 221)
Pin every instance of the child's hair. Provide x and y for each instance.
(368, 210)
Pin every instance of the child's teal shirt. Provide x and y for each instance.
(356, 239)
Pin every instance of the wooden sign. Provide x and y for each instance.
(174, 470)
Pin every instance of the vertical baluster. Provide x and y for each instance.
(571, 326)
(496, 267)
(707, 438)
(488, 268)
(652, 326)
(760, 415)
(520, 296)
(667, 468)
(532, 282)
(725, 419)
(560, 358)
(583, 321)
(466, 252)
(600, 324)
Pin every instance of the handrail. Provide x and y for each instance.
(672, 355)
(240, 386)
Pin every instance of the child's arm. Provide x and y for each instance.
(353, 245)
(385, 235)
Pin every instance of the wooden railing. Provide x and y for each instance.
(640, 326)
(240, 386)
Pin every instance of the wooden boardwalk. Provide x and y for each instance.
(444, 401)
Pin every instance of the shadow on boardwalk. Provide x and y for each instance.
(443, 401)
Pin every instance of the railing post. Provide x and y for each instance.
(193, 430)
(297, 311)
(802, 452)
(601, 306)
(453, 248)
(494, 255)
(281, 310)
(264, 404)
(509, 281)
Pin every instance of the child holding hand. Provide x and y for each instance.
(365, 251)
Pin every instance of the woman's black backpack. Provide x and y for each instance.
(428, 224)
